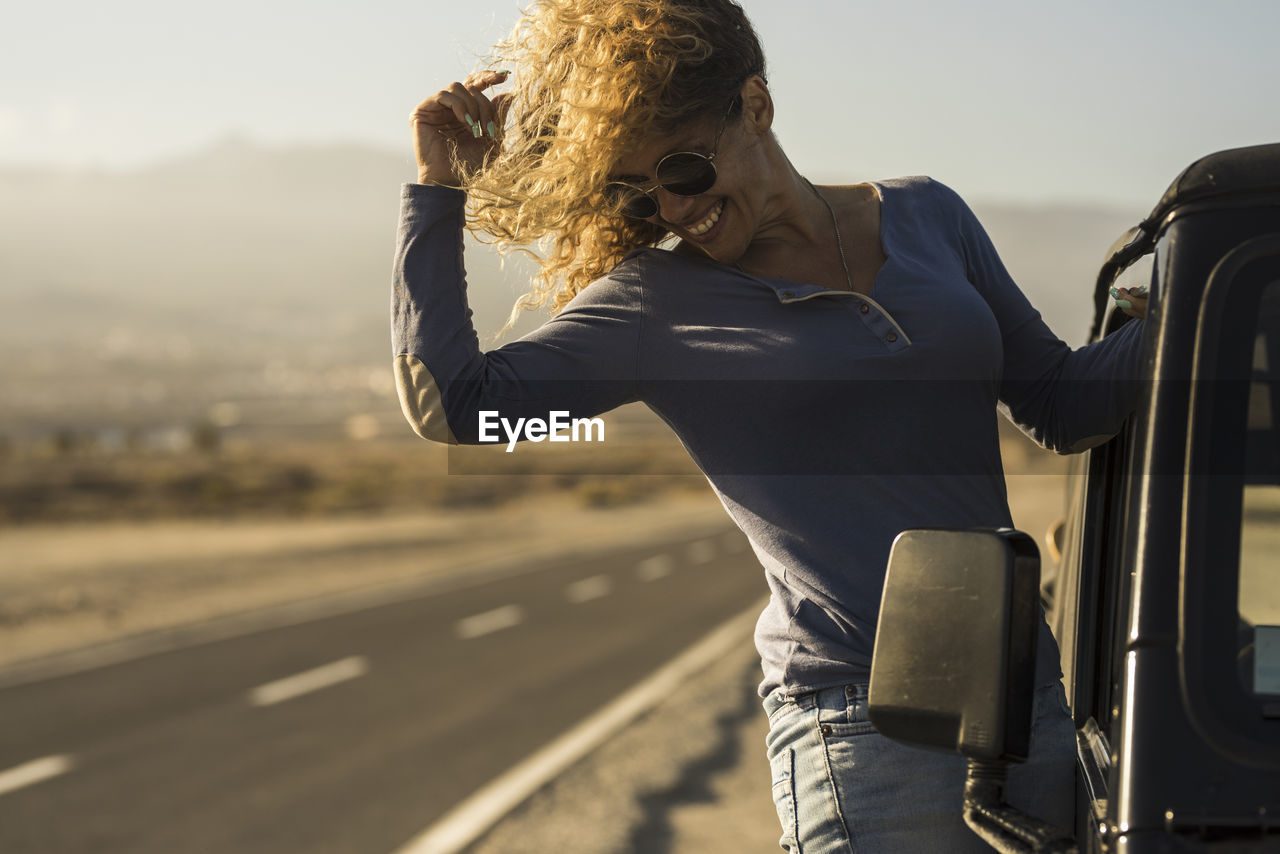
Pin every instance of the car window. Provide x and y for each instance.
(1259, 597)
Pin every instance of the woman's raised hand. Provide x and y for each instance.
(459, 118)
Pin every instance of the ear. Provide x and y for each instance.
(757, 104)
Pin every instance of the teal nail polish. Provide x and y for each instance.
(1115, 292)
(474, 125)
(493, 130)
(1123, 303)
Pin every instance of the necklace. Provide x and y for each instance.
(844, 262)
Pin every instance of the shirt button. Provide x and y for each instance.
(891, 337)
(864, 308)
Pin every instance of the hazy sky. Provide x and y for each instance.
(1002, 99)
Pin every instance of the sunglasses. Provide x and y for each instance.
(683, 173)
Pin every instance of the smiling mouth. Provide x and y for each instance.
(711, 219)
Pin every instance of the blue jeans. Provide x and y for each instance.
(842, 788)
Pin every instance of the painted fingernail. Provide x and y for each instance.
(1140, 289)
(474, 125)
(493, 130)
(1123, 303)
(503, 71)
(1115, 292)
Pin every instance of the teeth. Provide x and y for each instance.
(712, 218)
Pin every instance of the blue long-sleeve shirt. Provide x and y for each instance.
(826, 421)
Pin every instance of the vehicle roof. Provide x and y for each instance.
(1235, 174)
(1255, 169)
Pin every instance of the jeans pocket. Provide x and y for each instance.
(782, 771)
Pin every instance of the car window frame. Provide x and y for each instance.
(1224, 714)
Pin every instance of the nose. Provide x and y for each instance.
(673, 208)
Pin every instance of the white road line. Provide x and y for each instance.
(308, 681)
(653, 568)
(490, 621)
(588, 589)
(35, 771)
(702, 551)
(466, 822)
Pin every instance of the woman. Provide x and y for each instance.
(832, 357)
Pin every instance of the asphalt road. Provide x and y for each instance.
(350, 733)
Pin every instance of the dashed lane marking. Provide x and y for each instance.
(308, 681)
(588, 588)
(465, 823)
(653, 568)
(35, 771)
(703, 551)
(489, 622)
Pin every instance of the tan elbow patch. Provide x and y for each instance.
(420, 400)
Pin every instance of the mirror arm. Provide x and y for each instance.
(1005, 828)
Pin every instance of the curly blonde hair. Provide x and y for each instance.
(592, 78)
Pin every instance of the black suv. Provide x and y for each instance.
(1166, 604)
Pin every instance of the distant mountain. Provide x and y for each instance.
(245, 251)
(1054, 254)
(239, 247)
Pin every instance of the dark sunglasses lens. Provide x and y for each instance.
(641, 207)
(686, 174)
(629, 201)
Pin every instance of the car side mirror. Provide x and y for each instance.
(954, 661)
(954, 664)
